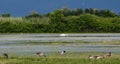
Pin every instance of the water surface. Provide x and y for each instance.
(21, 43)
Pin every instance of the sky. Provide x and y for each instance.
(19, 8)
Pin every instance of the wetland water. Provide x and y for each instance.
(26, 44)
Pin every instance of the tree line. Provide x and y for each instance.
(63, 21)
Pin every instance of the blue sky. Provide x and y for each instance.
(24, 7)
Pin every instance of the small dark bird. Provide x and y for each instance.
(40, 54)
(5, 55)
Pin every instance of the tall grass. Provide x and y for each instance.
(11, 19)
(43, 20)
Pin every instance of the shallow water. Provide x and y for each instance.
(19, 43)
(58, 37)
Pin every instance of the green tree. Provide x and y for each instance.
(79, 11)
(57, 16)
(88, 22)
(106, 13)
(6, 15)
(33, 14)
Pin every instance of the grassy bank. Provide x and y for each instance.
(77, 58)
(58, 61)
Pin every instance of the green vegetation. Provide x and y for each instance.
(63, 21)
(5, 15)
(59, 61)
(77, 58)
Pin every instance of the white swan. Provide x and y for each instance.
(63, 34)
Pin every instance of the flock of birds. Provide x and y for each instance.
(90, 56)
(41, 54)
